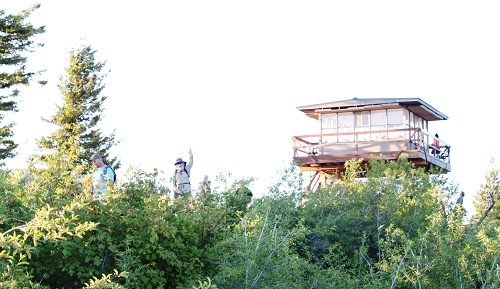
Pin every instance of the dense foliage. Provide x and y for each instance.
(397, 228)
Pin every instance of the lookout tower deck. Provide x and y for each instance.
(382, 128)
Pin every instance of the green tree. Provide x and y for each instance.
(78, 134)
(487, 197)
(16, 38)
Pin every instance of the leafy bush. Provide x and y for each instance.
(396, 228)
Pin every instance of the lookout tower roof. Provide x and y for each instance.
(415, 105)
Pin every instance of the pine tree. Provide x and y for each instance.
(79, 116)
(15, 39)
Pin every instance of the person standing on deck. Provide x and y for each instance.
(437, 150)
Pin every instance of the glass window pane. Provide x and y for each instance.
(378, 117)
(329, 121)
(362, 118)
(395, 120)
(346, 119)
(346, 124)
(378, 122)
(362, 124)
(395, 116)
(329, 125)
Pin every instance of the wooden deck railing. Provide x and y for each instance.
(409, 139)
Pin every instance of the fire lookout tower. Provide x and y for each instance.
(369, 128)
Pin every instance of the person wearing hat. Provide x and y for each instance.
(102, 178)
(180, 180)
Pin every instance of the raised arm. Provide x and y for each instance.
(190, 164)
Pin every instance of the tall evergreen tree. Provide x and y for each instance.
(15, 39)
(78, 119)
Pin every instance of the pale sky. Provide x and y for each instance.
(226, 77)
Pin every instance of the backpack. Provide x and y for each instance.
(106, 172)
(175, 172)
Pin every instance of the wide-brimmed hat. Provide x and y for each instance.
(178, 161)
